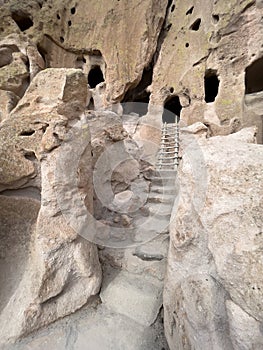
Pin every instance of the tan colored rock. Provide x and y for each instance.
(124, 174)
(35, 125)
(20, 62)
(8, 101)
(245, 330)
(18, 216)
(214, 281)
(63, 270)
(14, 77)
(205, 37)
(67, 35)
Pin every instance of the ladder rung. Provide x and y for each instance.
(169, 148)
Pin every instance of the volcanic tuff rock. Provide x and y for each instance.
(213, 293)
(62, 270)
(195, 51)
(204, 61)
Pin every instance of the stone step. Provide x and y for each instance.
(148, 228)
(160, 198)
(167, 173)
(137, 297)
(156, 249)
(160, 210)
(163, 181)
(164, 189)
(94, 327)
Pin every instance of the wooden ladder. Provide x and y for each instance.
(167, 158)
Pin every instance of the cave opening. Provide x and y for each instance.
(254, 77)
(172, 110)
(211, 82)
(139, 94)
(22, 20)
(95, 76)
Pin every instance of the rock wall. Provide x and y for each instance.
(213, 293)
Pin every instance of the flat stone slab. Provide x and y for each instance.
(95, 329)
(111, 331)
(136, 297)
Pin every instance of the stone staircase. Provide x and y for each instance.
(128, 313)
(133, 277)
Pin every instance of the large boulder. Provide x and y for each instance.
(213, 292)
(62, 270)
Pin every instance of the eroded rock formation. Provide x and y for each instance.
(89, 65)
(62, 270)
(214, 280)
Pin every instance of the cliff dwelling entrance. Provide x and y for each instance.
(254, 77)
(95, 76)
(172, 108)
(22, 20)
(138, 93)
(211, 85)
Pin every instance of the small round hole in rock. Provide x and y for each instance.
(61, 39)
(69, 23)
(215, 18)
(73, 10)
(196, 25)
(173, 8)
(169, 27)
(187, 45)
(190, 11)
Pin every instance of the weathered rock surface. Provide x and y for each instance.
(66, 35)
(196, 52)
(63, 270)
(95, 327)
(17, 220)
(214, 282)
(137, 298)
(8, 100)
(209, 39)
(20, 62)
(204, 61)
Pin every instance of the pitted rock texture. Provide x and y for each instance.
(209, 40)
(62, 270)
(193, 52)
(214, 281)
(78, 62)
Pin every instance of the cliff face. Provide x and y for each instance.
(68, 63)
(208, 54)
